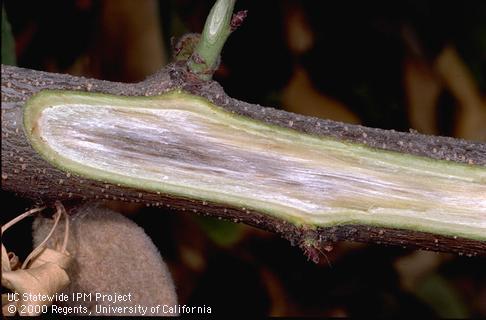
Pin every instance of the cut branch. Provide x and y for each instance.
(196, 149)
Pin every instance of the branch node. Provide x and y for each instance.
(237, 19)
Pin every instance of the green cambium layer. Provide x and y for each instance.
(316, 158)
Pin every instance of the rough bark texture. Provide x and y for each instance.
(24, 172)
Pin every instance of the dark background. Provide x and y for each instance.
(388, 64)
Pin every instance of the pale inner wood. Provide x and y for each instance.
(181, 147)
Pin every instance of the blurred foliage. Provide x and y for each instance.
(223, 233)
(442, 297)
(8, 43)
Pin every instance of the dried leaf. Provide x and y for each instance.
(46, 279)
(5, 260)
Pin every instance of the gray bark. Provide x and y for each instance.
(25, 173)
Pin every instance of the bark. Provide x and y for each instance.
(25, 173)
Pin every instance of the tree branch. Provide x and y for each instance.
(441, 208)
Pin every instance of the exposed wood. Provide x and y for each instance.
(26, 173)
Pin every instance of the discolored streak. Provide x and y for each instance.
(304, 178)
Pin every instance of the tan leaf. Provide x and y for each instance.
(6, 304)
(46, 279)
(5, 260)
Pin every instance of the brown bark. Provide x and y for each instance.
(24, 172)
